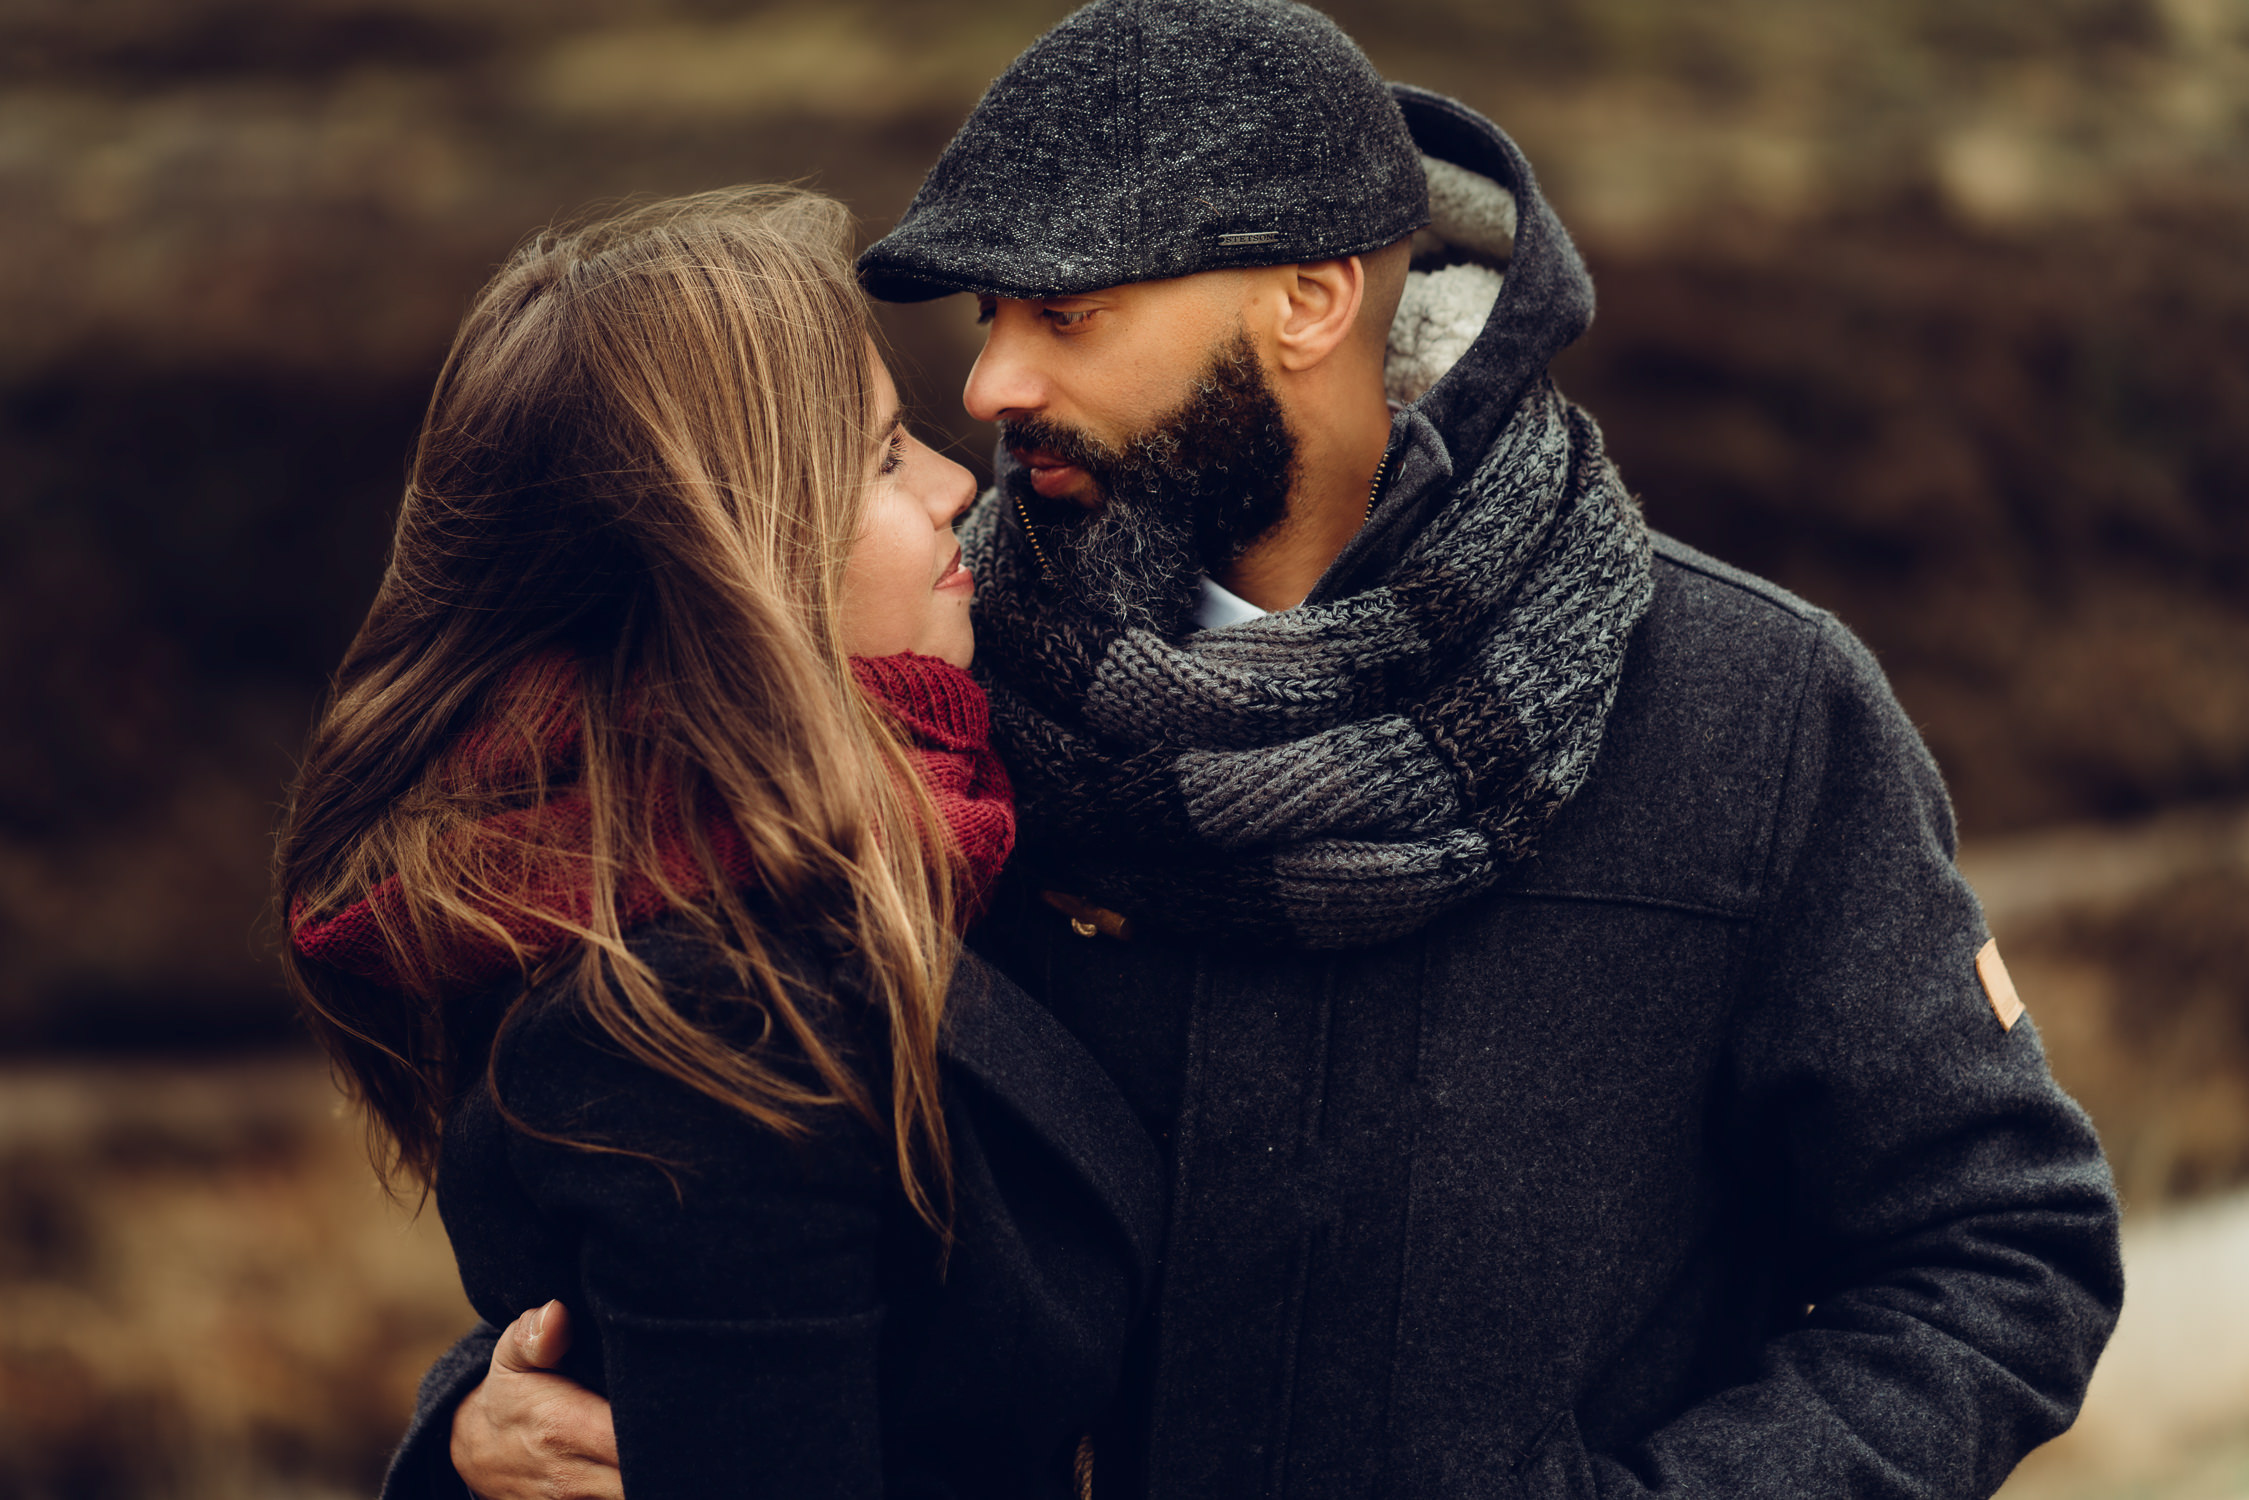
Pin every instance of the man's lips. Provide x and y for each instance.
(1051, 476)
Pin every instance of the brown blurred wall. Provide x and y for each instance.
(1932, 311)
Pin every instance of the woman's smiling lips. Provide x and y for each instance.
(955, 578)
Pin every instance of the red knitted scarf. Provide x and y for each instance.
(540, 852)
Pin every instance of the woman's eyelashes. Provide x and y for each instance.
(894, 452)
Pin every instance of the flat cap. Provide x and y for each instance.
(1142, 139)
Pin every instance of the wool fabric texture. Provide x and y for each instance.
(1341, 773)
(540, 854)
(1142, 139)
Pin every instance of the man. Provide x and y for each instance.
(1537, 945)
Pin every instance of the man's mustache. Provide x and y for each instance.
(1028, 435)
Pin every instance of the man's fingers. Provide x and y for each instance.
(527, 1433)
(535, 1341)
(583, 1425)
(513, 1351)
(551, 1339)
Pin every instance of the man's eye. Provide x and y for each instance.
(1062, 318)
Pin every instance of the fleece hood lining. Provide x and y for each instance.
(1449, 297)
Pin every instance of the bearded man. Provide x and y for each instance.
(1538, 946)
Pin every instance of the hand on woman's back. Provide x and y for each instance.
(526, 1433)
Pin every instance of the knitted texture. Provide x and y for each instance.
(1340, 773)
(948, 722)
(541, 856)
(1142, 139)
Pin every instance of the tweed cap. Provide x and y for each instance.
(1142, 139)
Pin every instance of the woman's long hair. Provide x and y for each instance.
(646, 457)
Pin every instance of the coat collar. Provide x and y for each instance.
(1036, 1069)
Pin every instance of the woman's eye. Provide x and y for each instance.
(894, 453)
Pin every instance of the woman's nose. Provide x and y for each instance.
(953, 493)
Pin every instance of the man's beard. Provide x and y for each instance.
(1184, 498)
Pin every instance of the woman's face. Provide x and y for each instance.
(903, 586)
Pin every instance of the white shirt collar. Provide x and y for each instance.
(1216, 607)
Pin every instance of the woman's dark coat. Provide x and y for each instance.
(766, 1315)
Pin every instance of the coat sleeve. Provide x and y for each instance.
(422, 1468)
(1948, 1225)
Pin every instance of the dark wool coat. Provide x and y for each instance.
(1694, 1160)
(766, 1316)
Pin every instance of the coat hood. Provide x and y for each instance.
(1497, 292)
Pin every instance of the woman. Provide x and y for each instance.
(624, 873)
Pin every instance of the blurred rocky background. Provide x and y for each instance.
(1934, 310)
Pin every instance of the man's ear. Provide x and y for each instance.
(1322, 306)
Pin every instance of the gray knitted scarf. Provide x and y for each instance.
(1340, 773)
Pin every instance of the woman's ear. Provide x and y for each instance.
(1322, 307)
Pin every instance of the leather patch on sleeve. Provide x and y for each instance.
(1998, 987)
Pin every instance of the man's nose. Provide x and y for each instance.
(1002, 383)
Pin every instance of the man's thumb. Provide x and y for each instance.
(535, 1341)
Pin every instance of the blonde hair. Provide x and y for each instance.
(647, 454)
